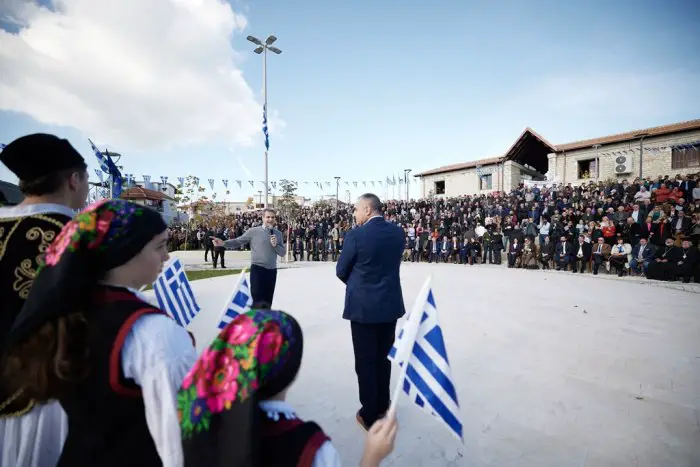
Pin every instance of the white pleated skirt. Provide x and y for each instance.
(34, 439)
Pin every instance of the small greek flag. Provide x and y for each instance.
(426, 377)
(2, 146)
(265, 132)
(99, 175)
(240, 301)
(174, 294)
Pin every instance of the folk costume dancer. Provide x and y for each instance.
(53, 177)
(85, 337)
(266, 244)
(233, 409)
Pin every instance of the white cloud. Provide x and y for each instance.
(131, 73)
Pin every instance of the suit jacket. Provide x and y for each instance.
(560, 247)
(586, 249)
(369, 266)
(605, 251)
(647, 254)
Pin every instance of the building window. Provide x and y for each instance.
(486, 182)
(685, 158)
(587, 169)
(440, 187)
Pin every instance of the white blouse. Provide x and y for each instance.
(157, 354)
(326, 456)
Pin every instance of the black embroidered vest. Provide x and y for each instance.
(290, 443)
(106, 415)
(23, 241)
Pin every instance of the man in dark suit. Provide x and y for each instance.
(369, 266)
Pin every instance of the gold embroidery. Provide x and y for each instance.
(20, 412)
(26, 273)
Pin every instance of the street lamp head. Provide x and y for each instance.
(254, 40)
(270, 39)
(274, 50)
(258, 50)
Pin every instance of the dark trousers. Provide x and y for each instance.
(262, 283)
(207, 249)
(219, 254)
(371, 344)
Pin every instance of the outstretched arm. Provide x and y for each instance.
(236, 242)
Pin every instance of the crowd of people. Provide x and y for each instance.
(646, 227)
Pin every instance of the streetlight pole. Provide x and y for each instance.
(641, 137)
(337, 189)
(405, 180)
(262, 48)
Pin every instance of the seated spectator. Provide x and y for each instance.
(528, 258)
(546, 252)
(642, 255)
(562, 254)
(601, 253)
(618, 256)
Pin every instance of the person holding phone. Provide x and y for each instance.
(266, 244)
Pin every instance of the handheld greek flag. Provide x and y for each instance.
(240, 301)
(265, 132)
(174, 294)
(425, 370)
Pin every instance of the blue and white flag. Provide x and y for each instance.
(104, 166)
(240, 301)
(265, 132)
(99, 175)
(426, 378)
(2, 146)
(174, 294)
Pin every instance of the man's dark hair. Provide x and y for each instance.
(48, 184)
(373, 200)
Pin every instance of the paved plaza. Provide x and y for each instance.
(551, 369)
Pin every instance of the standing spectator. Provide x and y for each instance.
(369, 267)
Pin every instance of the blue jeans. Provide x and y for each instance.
(634, 264)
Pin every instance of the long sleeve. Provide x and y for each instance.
(238, 242)
(157, 354)
(327, 456)
(346, 261)
(281, 248)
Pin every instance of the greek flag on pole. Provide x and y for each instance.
(427, 380)
(174, 294)
(265, 132)
(100, 158)
(240, 301)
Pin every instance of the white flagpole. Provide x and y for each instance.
(410, 330)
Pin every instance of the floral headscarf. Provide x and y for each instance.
(103, 236)
(254, 358)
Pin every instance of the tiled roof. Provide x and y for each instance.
(138, 192)
(462, 166)
(631, 135)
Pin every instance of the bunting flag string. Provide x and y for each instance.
(273, 184)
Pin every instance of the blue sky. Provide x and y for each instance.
(362, 90)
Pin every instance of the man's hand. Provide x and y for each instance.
(217, 241)
(273, 240)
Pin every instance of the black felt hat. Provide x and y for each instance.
(34, 156)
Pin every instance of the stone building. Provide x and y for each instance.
(666, 150)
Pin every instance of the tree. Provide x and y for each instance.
(287, 203)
